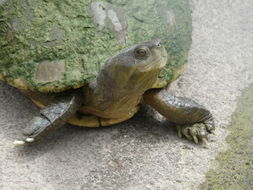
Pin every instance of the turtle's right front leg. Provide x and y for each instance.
(193, 120)
(51, 117)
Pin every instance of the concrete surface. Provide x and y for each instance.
(234, 167)
(142, 153)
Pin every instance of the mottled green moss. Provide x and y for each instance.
(35, 31)
(235, 166)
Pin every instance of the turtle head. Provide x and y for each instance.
(148, 56)
(137, 66)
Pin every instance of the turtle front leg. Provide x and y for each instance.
(51, 117)
(193, 120)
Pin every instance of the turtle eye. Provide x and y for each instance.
(141, 53)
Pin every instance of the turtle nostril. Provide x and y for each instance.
(159, 44)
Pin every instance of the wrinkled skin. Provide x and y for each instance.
(125, 81)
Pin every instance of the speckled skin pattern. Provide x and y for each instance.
(185, 111)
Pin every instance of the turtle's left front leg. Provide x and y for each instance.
(193, 120)
(53, 116)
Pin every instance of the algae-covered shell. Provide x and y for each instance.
(51, 46)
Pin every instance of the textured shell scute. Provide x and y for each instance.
(64, 38)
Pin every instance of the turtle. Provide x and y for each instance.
(94, 63)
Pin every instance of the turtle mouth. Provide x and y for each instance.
(156, 64)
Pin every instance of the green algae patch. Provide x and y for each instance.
(34, 32)
(235, 165)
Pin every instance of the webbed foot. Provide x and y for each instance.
(193, 120)
(35, 129)
(197, 131)
(53, 116)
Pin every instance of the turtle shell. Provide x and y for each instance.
(51, 46)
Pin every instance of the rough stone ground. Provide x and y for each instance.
(142, 153)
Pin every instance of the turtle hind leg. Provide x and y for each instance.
(51, 117)
(193, 120)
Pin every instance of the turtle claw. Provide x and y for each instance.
(19, 142)
(205, 142)
(26, 141)
(195, 139)
(29, 140)
(179, 132)
(196, 133)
